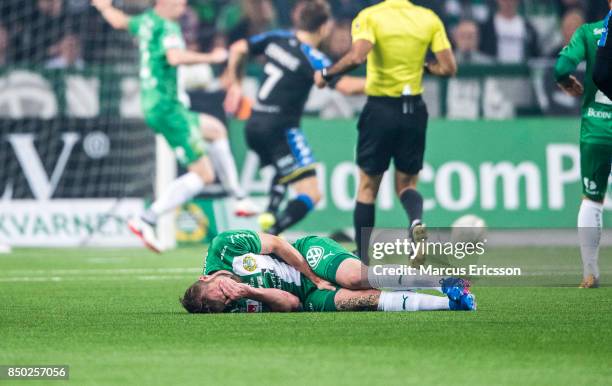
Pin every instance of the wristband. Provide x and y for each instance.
(325, 75)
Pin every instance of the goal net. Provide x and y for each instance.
(77, 159)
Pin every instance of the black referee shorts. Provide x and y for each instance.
(392, 128)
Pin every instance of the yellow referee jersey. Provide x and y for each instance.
(401, 33)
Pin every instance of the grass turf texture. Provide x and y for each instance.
(113, 316)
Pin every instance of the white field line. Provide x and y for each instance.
(39, 279)
(97, 271)
(106, 274)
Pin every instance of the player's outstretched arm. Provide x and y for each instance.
(284, 250)
(277, 300)
(235, 69)
(179, 56)
(445, 64)
(115, 17)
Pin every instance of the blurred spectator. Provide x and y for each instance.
(46, 29)
(210, 18)
(457, 10)
(339, 41)
(66, 54)
(508, 36)
(544, 17)
(572, 20)
(4, 40)
(190, 26)
(257, 16)
(346, 10)
(565, 5)
(435, 5)
(466, 37)
(597, 10)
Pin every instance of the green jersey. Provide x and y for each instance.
(239, 252)
(158, 79)
(596, 107)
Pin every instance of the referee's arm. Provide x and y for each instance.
(445, 64)
(356, 56)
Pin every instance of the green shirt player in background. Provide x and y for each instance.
(249, 272)
(595, 142)
(162, 49)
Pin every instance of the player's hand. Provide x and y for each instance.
(572, 87)
(102, 4)
(218, 55)
(233, 290)
(319, 81)
(233, 98)
(324, 285)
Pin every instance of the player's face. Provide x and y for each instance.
(213, 298)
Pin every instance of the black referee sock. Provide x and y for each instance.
(295, 211)
(363, 217)
(412, 201)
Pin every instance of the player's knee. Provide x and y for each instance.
(352, 280)
(213, 134)
(367, 193)
(404, 182)
(315, 196)
(309, 187)
(204, 170)
(212, 128)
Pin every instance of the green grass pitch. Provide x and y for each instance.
(114, 317)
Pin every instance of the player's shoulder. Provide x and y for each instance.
(317, 59)
(589, 31)
(272, 34)
(233, 236)
(426, 14)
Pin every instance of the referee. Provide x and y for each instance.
(394, 36)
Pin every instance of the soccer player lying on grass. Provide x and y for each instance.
(283, 289)
(321, 260)
(305, 270)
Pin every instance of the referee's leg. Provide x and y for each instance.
(364, 214)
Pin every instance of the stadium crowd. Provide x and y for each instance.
(70, 34)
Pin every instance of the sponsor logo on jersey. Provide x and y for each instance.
(592, 113)
(249, 263)
(253, 306)
(314, 255)
(590, 186)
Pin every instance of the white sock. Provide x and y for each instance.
(411, 301)
(223, 160)
(380, 281)
(177, 193)
(589, 234)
